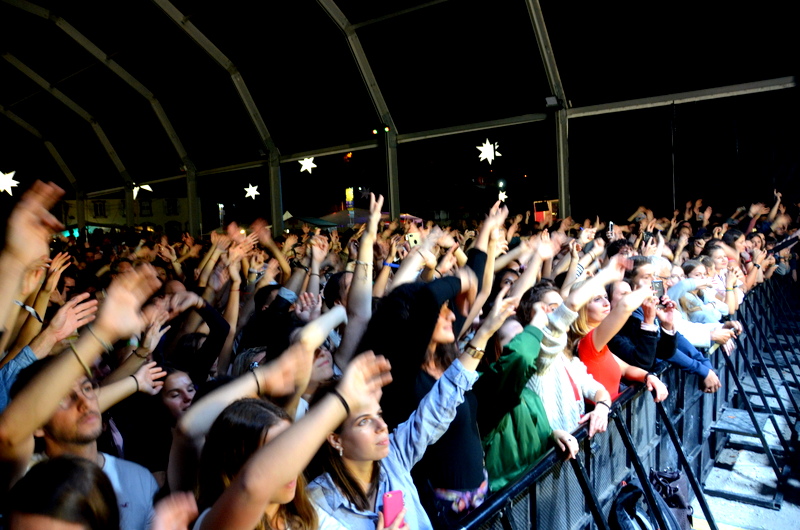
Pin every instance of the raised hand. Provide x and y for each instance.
(74, 314)
(586, 235)
(31, 224)
(634, 299)
(153, 332)
(121, 315)
(502, 309)
(448, 261)
(319, 248)
(545, 249)
(363, 379)
(308, 307)
(180, 302)
(147, 378)
(166, 252)
(375, 205)
(58, 265)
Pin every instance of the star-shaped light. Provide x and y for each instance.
(307, 164)
(136, 189)
(7, 182)
(252, 191)
(488, 151)
(365, 193)
(502, 196)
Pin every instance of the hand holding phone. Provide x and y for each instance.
(658, 288)
(413, 239)
(392, 506)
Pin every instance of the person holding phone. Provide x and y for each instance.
(596, 325)
(362, 460)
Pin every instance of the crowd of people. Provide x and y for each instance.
(392, 375)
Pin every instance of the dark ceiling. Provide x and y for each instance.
(438, 64)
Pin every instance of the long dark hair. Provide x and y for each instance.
(327, 460)
(234, 437)
(67, 488)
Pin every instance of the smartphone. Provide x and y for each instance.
(392, 505)
(658, 287)
(413, 239)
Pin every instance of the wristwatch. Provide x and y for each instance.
(474, 352)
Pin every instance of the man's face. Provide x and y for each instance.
(645, 275)
(77, 420)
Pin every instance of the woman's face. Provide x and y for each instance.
(620, 290)
(551, 300)
(365, 436)
(286, 494)
(598, 307)
(443, 332)
(322, 370)
(739, 244)
(720, 259)
(178, 393)
(508, 279)
(698, 273)
(699, 244)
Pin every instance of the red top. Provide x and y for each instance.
(600, 364)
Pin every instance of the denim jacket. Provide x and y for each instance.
(407, 444)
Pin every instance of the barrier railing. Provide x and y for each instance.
(674, 434)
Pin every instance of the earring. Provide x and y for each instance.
(341, 451)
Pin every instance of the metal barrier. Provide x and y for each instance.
(674, 434)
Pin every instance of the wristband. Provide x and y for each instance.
(137, 382)
(603, 403)
(344, 402)
(108, 347)
(392, 265)
(648, 374)
(135, 350)
(258, 384)
(83, 364)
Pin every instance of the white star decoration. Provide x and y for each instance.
(502, 196)
(307, 164)
(488, 151)
(252, 191)
(7, 182)
(136, 189)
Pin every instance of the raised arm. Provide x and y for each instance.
(242, 504)
(613, 323)
(30, 226)
(359, 298)
(119, 317)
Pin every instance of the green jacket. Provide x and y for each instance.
(511, 417)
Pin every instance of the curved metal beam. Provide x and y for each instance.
(79, 193)
(376, 95)
(98, 130)
(276, 199)
(105, 59)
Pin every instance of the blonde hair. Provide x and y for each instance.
(580, 327)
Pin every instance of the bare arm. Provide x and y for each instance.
(242, 504)
(359, 298)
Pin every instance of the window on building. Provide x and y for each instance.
(171, 207)
(99, 208)
(145, 208)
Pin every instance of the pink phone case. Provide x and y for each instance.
(392, 505)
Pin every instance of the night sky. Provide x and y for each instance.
(448, 64)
